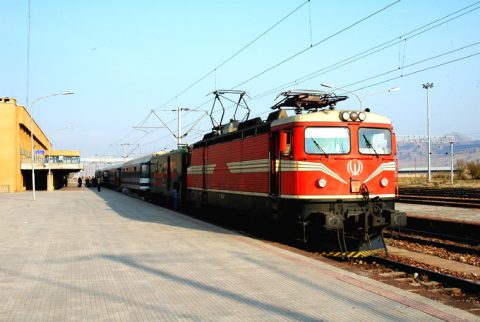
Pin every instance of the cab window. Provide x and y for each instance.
(374, 141)
(327, 140)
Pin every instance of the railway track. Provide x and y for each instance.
(453, 197)
(447, 280)
(453, 237)
(453, 231)
(414, 236)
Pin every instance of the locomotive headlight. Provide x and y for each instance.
(362, 116)
(384, 182)
(345, 116)
(354, 116)
(322, 183)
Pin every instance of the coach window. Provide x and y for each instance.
(327, 140)
(374, 141)
(144, 170)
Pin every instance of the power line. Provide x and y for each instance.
(282, 62)
(373, 50)
(413, 64)
(419, 71)
(409, 74)
(402, 38)
(214, 70)
(314, 45)
(27, 85)
(236, 53)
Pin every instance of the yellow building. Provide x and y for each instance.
(50, 166)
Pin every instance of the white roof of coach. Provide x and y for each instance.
(112, 166)
(330, 116)
(143, 159)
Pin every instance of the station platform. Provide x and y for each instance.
(442, 213)
(79, 254)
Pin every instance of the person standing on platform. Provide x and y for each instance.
(79, 182)
(99, 183)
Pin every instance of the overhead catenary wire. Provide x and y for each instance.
(27, 80)
(411, 73)
(317, 43)
(416, 71)
(373, 50)
(314, 45)
(214, 70)
(282, 62)
(419, 71)
(413, 64)
(404, 40)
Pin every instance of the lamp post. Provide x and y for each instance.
(31, 135)
(451, 161)
(427, 86)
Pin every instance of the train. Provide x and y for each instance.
(328, 175)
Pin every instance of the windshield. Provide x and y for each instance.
(327, 140)
(374, 141)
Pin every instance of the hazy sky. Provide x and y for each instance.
(124, 58)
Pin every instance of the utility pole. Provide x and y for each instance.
(179, 134)
(179, 129)
(424, 139)
(451, 161)
(427, 86)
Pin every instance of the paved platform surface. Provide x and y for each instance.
(82, 255)
(467, 215)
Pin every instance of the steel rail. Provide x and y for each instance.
(470, 248)
(449, 280)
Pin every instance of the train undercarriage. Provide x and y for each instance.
(347, 228)
(335, 228)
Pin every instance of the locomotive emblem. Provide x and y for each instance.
(355, 167)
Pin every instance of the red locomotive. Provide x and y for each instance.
(329, 173)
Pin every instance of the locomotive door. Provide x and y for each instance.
(204, 173)
(169, 174)
(274, 160)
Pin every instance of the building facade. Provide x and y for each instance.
(16, 160)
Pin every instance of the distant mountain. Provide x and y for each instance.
(415, 154)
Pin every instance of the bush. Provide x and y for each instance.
(473, 168)
(462, 171)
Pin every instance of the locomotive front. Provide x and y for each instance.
(335, 172)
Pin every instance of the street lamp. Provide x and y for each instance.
(31, 134)
(427, 86)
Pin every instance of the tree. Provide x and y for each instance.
(461, 167)
(474, 168)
